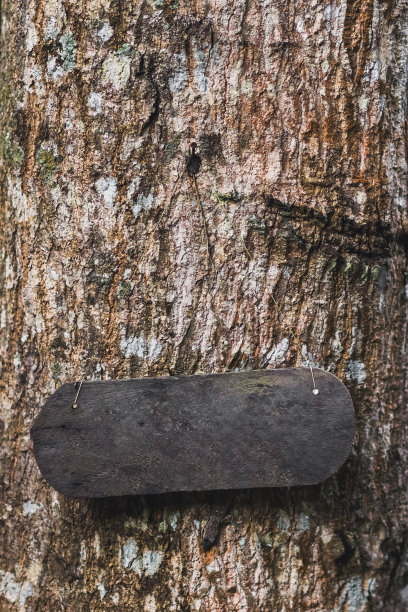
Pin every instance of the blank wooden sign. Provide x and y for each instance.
(263, 428)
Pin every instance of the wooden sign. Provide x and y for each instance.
(264, 428)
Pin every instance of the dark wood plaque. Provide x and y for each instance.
(263, 428)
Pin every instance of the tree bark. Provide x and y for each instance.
(299, 110)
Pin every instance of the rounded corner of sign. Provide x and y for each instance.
(337, 468)
(337, 379)
(61, 490)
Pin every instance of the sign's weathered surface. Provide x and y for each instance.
(262, 428)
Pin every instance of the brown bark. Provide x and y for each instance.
(299, 109)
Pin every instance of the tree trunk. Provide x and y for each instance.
(299, 110)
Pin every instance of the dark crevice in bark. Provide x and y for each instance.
(376, 240)
(349, 550)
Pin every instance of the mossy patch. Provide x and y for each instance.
(10, 150)
(228, 197)
(172, 148)
(126, 50)
(48, 161)
(124, 290)
(166, 4)
(375, 273)
(348, 266)
(56, 370)
(269, 540)
(257, 224)
(364, 272)
(332, 263)
(358, 270)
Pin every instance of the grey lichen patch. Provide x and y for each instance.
(116, 69)
(151, 561)
(48, 161)
(278, 352)
(138, 346)
(179, 79)
(68, 51)
(356, 371)
(103, 30)
(257, 224)
(355, 594)
(106, 187)
(51, 29)
(30, 507)
(31, 38)
(147, 563)
(200, 79)
(303, 522)
(142, 204)
(174, 520)
(95, 103)
(15, 592)
(283, 521)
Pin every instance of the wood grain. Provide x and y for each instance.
(194, 433)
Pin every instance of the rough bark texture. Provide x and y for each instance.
(299, 109)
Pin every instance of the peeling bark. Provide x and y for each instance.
(300, 113)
